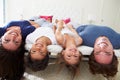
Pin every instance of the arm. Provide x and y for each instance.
(36, 25)
(58, 34)
(78, 39)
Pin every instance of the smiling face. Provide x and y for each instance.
(12, 39)
(71, 55)
(103, 50)
(38, 50)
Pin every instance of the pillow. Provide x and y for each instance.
(50, 48)
(54, 48)
(48, 18)
(28, 47)
(117, 52)
(67, 20)
(85, 50)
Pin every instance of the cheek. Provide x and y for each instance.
(20, 37)
(10, 46)
(103, 59)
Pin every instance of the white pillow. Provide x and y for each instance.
(50, 48)
(28, 46)
(117, 52)
(54, 48)
(85, 50)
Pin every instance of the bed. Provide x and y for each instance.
(55, 49)
(85, 50)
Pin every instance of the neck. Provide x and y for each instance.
(69, 41)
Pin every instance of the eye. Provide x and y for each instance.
(16, 42)
(76, 56)
(108, 53)
(68, 56)
(33, 51)
(96, 53)
(6, 40)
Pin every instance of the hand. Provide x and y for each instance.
(60, 24)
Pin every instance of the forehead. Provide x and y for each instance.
(10, 46)
(103, 58)
(72, 61)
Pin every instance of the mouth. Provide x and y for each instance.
(102, 44)
(39, 44)
(14, 33)
(73, 49)
(102, 40)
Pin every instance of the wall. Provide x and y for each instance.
(101, 12)
(1, 12)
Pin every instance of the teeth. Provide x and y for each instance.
(13, 33)
(102, 41)
(102, 44)
(73, 49)
(39, 45)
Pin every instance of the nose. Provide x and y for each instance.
(102, 47)
(72, 53)
(13, 37)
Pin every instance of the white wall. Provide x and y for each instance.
(1, 12)
(102, 12)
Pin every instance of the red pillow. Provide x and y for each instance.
(48, 18)
(66, 20)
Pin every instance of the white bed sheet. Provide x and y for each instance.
(85, 50)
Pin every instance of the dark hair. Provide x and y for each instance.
(36, 65)
(107, 70)
(12, 63)
(74, 69)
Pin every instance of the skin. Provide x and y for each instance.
(71, 54)
(103, 50)
(39, 48)
(36, 25)
(12, 39)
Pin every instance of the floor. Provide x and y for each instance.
(51, 73)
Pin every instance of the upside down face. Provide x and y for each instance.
(103, 50)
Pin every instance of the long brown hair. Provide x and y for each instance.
(107, 70)
(12, 63)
